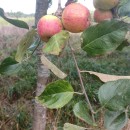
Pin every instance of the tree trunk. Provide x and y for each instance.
(39, 121)
(41, 9)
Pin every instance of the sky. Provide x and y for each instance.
(28, 6)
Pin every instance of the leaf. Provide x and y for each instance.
(122, 45)
(115, 95)
(68, 126)
(104, 37)
(15, 22)
(56, 43)
(107, 77)
(9, 66)
(34, 44)
(1, 12)
(52, 67)
(24, 44)
(56, 94)
(81, 111)
(115, 120)
(123, 9)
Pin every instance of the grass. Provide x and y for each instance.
(17, 91)
(16, 98)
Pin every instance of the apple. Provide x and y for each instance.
(105, 4)
(101, 15)
(48, 26)
(75, 18)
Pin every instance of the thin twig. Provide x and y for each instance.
(82, 85)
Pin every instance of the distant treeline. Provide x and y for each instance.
(18, 14)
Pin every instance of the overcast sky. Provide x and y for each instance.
(28, 6)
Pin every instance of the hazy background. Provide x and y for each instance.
(28, 6)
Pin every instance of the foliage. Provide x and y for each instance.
(56, 94)
(102, 41)
(24, 45)
(81, 111)
(56, 43)
(123, 8)
(115, 120)
(98, 40)
(15, 22)
(9, 66)
(18, 93)
(25, 83)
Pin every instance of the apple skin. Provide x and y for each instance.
(48, 26)
(101, 15)
(75, 18)
(105, 4)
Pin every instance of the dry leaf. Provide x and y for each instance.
(52, 67)
(107, 77)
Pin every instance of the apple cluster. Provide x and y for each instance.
(75, 18)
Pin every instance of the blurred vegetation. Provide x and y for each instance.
(19, 14)
(17, 92)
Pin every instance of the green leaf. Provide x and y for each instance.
(1, 12)
(24, 44)
(104, 37)
(115, 120)
(56, 94)
(122, 45)
(123, 9)
(81, 111)
(15, 22)
(115, 95)
(34, 44)
(9, 67)
(68, 126)
(56, 43)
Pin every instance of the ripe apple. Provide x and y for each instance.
(48, 26)
(101, 15)
(75, 18)
(105, 4)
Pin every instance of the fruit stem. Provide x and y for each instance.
(59, 4)
(82, 85)
(59, 10)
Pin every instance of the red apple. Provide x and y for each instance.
(101, 15)
(75, 18)
(48, 26)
